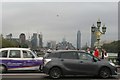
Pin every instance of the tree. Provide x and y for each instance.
(23, 45)
(112, 47)
(7, 43)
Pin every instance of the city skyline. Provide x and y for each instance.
(59, 20)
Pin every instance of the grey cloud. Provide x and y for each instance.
(58, 20)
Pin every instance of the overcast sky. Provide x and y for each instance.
(58, 20)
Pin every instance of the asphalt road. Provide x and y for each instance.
(42, 76)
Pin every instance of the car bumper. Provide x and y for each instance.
(45, 70)
(114, 71)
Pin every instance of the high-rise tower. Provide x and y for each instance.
(40, 40)
(34, 41)
(22, 38)
(78, 40)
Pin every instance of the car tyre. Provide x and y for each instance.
(55, 73)
(2, 69)
(105, 73)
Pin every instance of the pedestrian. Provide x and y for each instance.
(88, 50)
(91, 52)
(96, 52)
(103, 53)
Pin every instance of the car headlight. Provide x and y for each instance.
(112, 64)
(46, 61)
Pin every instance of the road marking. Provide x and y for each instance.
(20, 74)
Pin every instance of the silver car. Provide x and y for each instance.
(73, 62)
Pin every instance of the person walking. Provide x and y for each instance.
(96, 52)
(88, 50)
(103, 53)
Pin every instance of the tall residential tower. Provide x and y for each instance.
(78, 40)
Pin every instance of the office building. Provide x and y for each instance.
(51, 45)
(36, 41)
(40, 40)
(22, 38)
(93, 38)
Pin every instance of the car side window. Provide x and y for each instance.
(4, 53)
(84, 56)
(53, 55)
(69, 55)
(27, 54)
(14, 54)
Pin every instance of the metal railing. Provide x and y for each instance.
(112, 57)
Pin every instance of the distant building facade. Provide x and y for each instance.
(40, 40)
(93, 38)
(22, 38)
(36, 41)
(23, 41)
(9, 36)
(64, 45)
(79, 40)
(51, 45)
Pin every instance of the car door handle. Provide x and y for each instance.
(81, 61)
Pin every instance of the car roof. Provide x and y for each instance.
(14, 49)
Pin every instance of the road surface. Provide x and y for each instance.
(42, 76)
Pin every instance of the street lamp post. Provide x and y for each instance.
(98, 32)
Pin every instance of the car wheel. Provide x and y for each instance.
(2, 69)
(105, 73)
(55, 73)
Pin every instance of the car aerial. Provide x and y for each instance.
(19, 59)
(73, 62)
